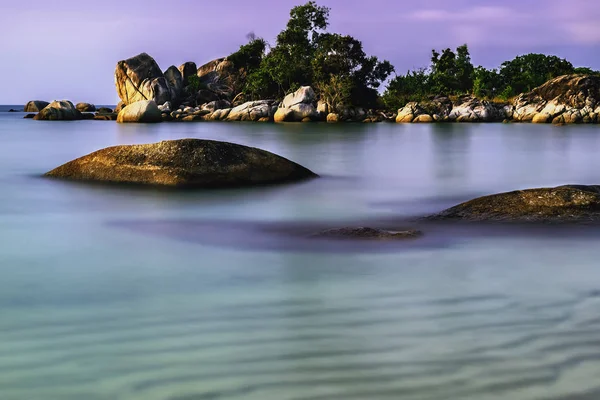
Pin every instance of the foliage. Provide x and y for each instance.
(305, 54)
(585, 71)
(414, 86)
(336, 92)
(193, 83)
(452, 73)
(527, 72)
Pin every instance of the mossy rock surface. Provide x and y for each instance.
(570, 203)
(186, 163)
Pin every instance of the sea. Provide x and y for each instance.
(128, 293)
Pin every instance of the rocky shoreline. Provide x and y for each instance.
(191, 94)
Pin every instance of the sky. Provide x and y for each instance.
(69, 49)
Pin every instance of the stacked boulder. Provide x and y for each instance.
(298, 106)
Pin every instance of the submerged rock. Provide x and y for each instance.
(192, 163)
(35, 106)
(29, 116)
(62, 110)
(570, 203)
(366, 233)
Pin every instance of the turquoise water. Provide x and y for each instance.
(121, 293)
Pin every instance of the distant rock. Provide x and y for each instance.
(104, 110)
(13, 110)
(186, 163)
(471, 109)
(571, 203)
(106, 116)
(140, 111)
(569, 99)
(365, 233)
(140, 78)
(35, 106)
(85, 107)
(62, 110)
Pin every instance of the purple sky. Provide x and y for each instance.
(68, 49)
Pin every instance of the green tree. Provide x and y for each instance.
(529, 71)
(414, 86)
(452, 73)
(486, 83)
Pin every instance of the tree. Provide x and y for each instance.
(486, 83)
(414, 86)
(342, 59)
(452, 73)
(532, 70)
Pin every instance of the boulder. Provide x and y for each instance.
(216, 105)
(571, 203)
(35, 106)
(219, 76)
(140, 111)
(187, 69)
(322, 107)
(106, 117)
(304, 95)
(175, 81)
(542, 118)
(409, 112)
(62, 110)
(302, 111)
(283, 115)
(185, 163)
(365, 233)
(251, 111)
(85, 107)
(165, 108)
(218, 115)
(574, 96)
(119, 107)
(471, 109)
(333, 118)
(425, 118)
(29, 116)
(140, 78)
(104, 110)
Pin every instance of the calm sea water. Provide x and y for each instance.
(119, 293)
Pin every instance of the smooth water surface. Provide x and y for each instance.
(122, 293)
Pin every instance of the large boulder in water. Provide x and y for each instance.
(188, 163)
(570, 203)
(219, 76)
(140, 78)
(35, 106)
(62, 110)
(140, 111)
(575, 98)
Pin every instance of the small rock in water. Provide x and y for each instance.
(366, 233)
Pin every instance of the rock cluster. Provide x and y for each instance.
(62, 110)
(464, 109)
(568, 99)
